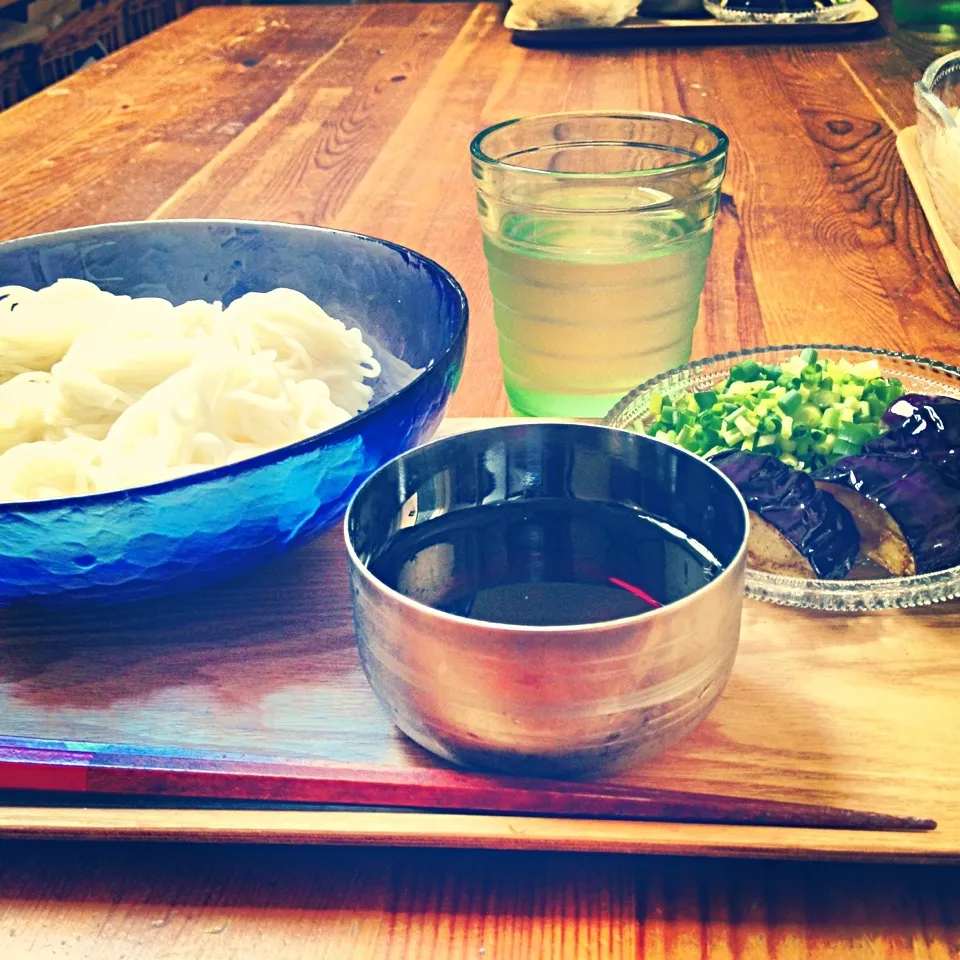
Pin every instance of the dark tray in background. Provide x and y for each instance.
(703, 29)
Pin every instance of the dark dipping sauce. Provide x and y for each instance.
(544, 562)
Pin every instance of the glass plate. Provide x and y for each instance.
(779, 11)
(918, 375)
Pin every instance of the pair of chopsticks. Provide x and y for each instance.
(95, 769)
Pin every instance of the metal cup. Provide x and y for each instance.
(571, 700)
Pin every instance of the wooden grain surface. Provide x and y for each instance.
(227, 903)
(359, 117)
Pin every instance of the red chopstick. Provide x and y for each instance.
(113, 771)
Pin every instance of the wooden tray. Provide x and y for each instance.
(704, 29)
(850, 710)
(909, 150)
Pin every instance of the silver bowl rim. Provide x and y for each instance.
(271, 456)
(718, 583)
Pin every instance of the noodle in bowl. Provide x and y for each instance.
(182, 423)
(141, 391)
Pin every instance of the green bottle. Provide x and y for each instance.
(939, 17)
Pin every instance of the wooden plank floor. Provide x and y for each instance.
(90, 902)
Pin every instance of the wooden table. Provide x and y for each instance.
(359, 117)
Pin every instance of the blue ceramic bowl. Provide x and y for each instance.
(190, 532)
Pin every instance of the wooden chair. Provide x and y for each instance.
(18, 75)
(91, 33)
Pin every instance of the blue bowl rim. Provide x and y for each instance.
(271, 456)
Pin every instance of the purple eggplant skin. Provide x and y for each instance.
(916, 496)
(812, 521)
(923, 427)
(905, 408)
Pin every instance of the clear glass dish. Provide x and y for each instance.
(780, 11)
(937, 96)
(918, 375)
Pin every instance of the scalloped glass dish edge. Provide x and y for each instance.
(820, 12)
(919, 374)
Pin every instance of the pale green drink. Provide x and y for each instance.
(596, 279)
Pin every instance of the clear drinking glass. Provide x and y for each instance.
(937, 95)
(596, 230)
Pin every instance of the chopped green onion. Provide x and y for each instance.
(869, 369)
(843, 449)
(746, 371)
(824, 398)
(808, 415)
(857, 433)
(851, 390)
(808, 411)
(790, 402)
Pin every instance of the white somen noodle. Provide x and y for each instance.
(226, 406)
(24, 400)
(42, 469)
(105, 392)
(309, 343)
(37, 327)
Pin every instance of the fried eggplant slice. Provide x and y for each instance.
(796, 530)
(923, 427)
(907, 511)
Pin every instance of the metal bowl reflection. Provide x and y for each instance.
(551, 701)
